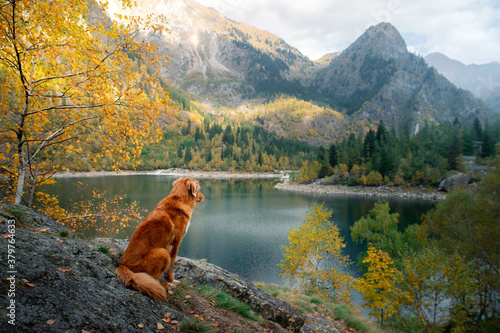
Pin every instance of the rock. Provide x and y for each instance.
(453, 182)
(203, 273)
(65, 284)
(271, 308)
(61, 284)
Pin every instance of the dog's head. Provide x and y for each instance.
(188, 187)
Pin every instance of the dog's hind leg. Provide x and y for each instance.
(155, 263)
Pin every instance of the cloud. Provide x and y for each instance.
(466, 30)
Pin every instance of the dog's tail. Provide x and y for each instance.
(142, 282)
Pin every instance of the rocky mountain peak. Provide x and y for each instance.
(382, 40)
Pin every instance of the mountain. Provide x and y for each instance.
(227, 64)
(377, 79)
(216, 58)
(482, 80)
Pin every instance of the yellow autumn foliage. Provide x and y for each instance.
(313, 258)
(67, 83)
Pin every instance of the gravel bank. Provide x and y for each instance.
(179, 173)
(376, 191)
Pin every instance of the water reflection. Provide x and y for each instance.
(242, 225)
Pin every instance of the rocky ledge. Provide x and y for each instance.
(54, 282)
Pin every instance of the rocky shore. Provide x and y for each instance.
(365, 191)
(179, 173)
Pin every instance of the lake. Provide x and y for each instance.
(242, 225)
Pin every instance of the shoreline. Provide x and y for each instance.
(175, 172)
(365, 191)
(285, 185)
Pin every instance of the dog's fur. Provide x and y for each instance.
(153, 247)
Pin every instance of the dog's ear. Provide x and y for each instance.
(193, 187)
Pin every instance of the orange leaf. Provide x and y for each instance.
(140, 325)
(65, 270)
(5, 236)
(159, 326)
(26, 282)
(51, 322)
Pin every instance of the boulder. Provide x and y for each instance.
(455, 181)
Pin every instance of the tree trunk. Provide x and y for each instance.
(20, 179)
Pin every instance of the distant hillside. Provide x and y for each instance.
(481, 80)
(302, 121)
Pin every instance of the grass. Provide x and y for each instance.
(18, 214)
(226, 301)
(314, 304)
(103, 249)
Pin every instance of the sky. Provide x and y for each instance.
(465, 30)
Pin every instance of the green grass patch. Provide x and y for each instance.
(103, 249)
(356, 320)
(315, 304)
(226, 301)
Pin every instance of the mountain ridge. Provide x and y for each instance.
(376, 78)
(483, 80)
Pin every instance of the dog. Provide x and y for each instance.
(153, 247)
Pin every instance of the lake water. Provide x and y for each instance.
(242, 225)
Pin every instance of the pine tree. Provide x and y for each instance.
(188, 156)
(333, 155)
(180, 152)
(454, 152)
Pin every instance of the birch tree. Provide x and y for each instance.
(67, 74)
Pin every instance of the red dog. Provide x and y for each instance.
(154, 244)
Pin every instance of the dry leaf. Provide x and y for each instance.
(188, 296)
(51, 322)
(159, 326)
(43, 230)
(174, 322)
(84, 331)
(140, 325)
(5, 236)
(65, 270)
(26, 282)
(166, 320)
(167, 315)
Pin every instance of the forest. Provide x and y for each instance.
(385, 157)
